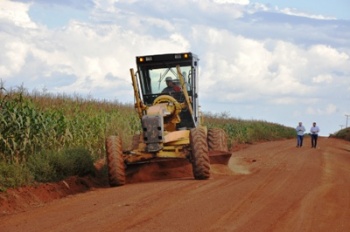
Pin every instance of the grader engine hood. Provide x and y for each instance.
(163, 116)
(168, 108)
(162, 109)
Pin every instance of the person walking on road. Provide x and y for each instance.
(314, 134)
(300, 134)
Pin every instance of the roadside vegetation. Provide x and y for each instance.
(342, 134)
(46, 137)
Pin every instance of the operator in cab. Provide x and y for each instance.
(171, 86)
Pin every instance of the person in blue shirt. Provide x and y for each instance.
(314, 134)
(300, 129)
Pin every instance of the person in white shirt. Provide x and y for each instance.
(300, 134)
(314, 134)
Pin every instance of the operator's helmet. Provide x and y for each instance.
(168, 79)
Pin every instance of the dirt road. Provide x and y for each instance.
(271, 186)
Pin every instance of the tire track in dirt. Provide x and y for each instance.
(324, 204)
(260, 193)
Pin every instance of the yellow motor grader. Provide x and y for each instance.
(166, 100)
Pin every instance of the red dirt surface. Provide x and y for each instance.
(272, 186)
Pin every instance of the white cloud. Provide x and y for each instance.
(241, 2)
(326, 56)
(89, 53)
(252, 67)
(16, 13)
(105, 5)
(180, 40)
(241, 61)
(295, 12)
(284, 101)
(12, 57)
(323, 79)
(329, 109)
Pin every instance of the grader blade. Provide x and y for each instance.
(219, 157)
(158, 170)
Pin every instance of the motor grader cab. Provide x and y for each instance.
(170, 119)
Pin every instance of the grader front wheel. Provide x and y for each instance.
(115, 161)
(199, 158)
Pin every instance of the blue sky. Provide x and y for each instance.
(278, 61)
(56, 16)
(336, 8)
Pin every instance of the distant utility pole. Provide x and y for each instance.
(341, 127)
(347, 116)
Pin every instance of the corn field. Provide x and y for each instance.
(248, 131)
(28, 127)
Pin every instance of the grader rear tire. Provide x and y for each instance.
(115, 161)
(199, 158)
(217, 140)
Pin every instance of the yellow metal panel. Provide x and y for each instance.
(138, 157)
(160, 109)
(182, 135)
(171, 154)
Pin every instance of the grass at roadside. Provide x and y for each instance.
(248, 131)
(45, 137)
(342, 134)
